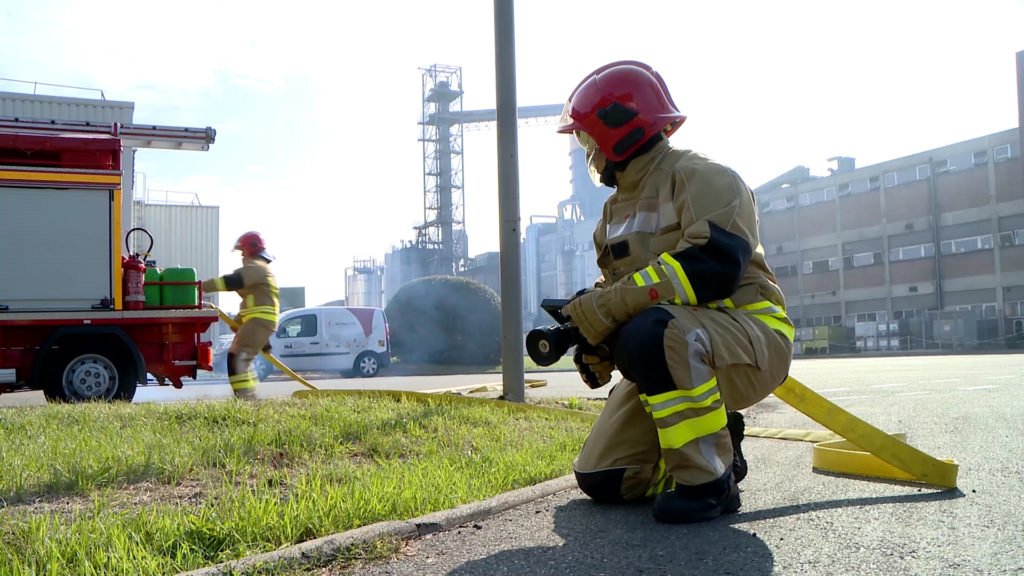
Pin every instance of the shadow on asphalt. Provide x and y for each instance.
(783, 511)
(612, 540)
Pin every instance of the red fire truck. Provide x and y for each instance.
(72, 322)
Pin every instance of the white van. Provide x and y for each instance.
(345, 339)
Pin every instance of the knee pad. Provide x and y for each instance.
(602, 485)
(640, 351)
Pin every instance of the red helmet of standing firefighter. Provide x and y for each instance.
(251, 245)
(258, 312)
(685, 309)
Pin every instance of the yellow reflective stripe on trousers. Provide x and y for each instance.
(268, 317)
(662, 404)
(259, 309)
(661, 477)
(679, 279)
(786, 329)
(687, 431)
(686, 405)
(262, 312)
(773, 316)
(242, 381)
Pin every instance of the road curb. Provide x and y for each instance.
(325, 549)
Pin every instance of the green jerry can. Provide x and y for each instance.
(179, 296)
(152, 290)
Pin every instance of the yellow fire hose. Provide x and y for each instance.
(270, 357)
(854, 447)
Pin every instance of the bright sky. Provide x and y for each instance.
(316, 104)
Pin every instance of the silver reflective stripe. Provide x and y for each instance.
(639, 222)
(683, 400)
(648, 277)
(677, 283)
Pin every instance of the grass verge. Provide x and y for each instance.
(157, 489)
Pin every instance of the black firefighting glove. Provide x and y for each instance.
(594, 363)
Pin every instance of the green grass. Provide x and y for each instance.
(155, 489)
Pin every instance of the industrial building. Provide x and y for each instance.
(924, 251)
(558, 252)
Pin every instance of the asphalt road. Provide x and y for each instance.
(793, 520)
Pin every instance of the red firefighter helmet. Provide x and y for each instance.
(252, 246)
(620, 106)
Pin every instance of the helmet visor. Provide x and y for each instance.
(595, 158)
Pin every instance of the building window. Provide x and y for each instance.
(862, 259)
(817, 196)
(923, 172)
(1011, 238)
(891, 179)
(785, 270)
(1014, 309)
(821, 265)
(879, 316)
(942, 166)
(979, 158)
(909, 314)
(836, 320)
(969, 244)
(912, 252)
(1001, 153)
(986, 311)
(844, 189)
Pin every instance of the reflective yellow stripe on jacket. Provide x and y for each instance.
(772, 315)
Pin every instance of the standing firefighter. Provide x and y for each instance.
(689, 310)
(257, 316)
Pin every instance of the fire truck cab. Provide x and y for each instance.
(65, 327)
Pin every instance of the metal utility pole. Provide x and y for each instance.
(513, 384)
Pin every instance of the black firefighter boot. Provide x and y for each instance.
(686, 504)
(736, 428)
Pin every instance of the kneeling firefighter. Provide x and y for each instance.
(690, 313)
(257, 316)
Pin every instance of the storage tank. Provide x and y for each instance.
(364, 284)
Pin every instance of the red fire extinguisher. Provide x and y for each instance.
(134, 273)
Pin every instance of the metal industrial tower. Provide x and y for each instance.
(441, 238)
(442, 233)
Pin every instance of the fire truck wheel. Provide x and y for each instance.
(367, 365)
(83, 375)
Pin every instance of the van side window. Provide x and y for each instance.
(298, 327)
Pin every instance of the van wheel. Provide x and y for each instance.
(82, 375)
(367, 365)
